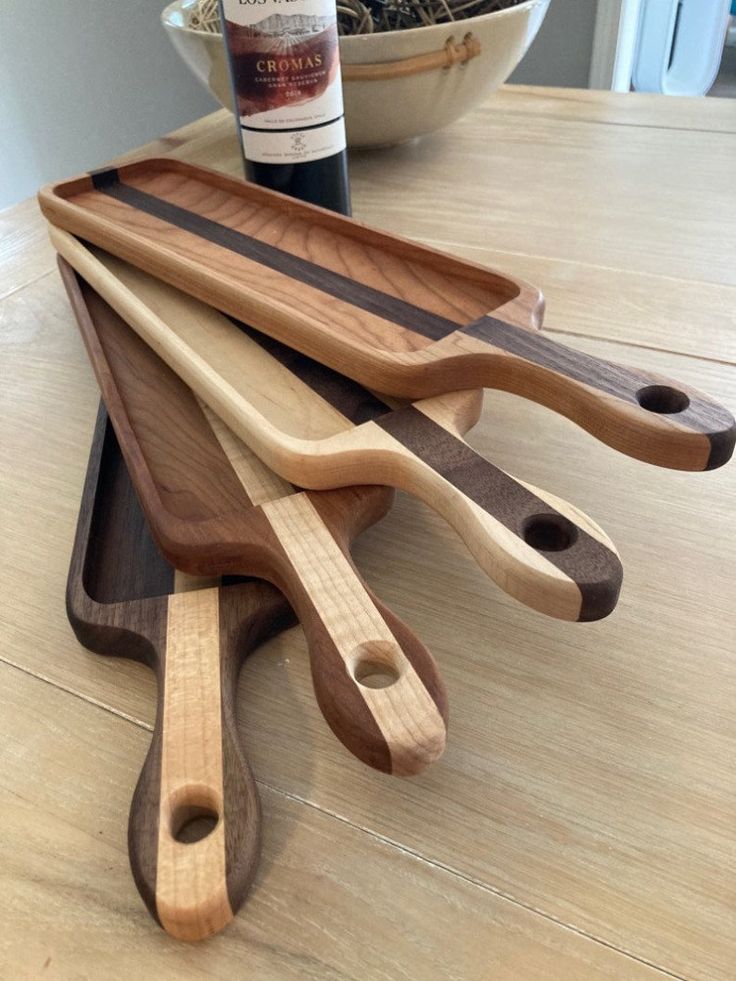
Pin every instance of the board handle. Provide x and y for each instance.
(647, 416)
(376, 684)
(536, 547)
(194, 827)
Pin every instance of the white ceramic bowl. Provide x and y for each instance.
(383, 111)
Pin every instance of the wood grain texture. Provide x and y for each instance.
(688, 317)
(589, 775)
(25, 252)
(200, 506)
(609, 109)
(120, 601)
(63, 858)
(399, 318)
(541, 550)
(566, 189)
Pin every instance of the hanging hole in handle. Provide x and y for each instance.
(662, 399)
(191, 823)
(549, 532)
(374, 665)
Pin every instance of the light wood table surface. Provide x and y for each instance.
(582, 823)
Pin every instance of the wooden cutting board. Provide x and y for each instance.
(318, 429)
(214, 508)
(194, 827)
(396, 316)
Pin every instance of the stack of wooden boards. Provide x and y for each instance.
(186, 315)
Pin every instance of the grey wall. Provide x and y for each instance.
(82, 80)
(560, 55)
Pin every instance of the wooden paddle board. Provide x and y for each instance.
(396, 316)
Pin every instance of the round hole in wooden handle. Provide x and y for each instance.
(664, 400)
(549, 532)
(376, 664)
(192, 823)
(195, 811)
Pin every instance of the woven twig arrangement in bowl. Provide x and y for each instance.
(374, 16)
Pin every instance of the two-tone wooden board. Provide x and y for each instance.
(398, 317)
(194, 827)
(214, 508)
(319, 429)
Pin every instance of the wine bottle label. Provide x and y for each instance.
(285, 63)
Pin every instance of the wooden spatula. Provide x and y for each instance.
(121, 600)
(214, 508)
(307, 423)
(396, 316)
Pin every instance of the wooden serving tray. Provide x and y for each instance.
(215, 508)
(124, 599)
(396, 316)
(319, 429)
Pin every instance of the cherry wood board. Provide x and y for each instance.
(214, 509)
(194, 832)
(319, 429)
(394, 315)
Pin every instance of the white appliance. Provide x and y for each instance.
(669, 46)
(680, 45)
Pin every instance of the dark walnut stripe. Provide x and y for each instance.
(595, 568)
(371, 300)
(249, 615)
(623, 383)
(425, 668)
(539, 349)
(349, 398)
(114, 608)
(105, 177)
(145, 807)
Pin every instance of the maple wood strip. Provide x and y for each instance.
(191, 771)
(259, 483)
(399, 702)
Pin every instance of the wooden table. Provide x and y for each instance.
(582, 823)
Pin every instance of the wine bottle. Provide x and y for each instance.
(285, 70)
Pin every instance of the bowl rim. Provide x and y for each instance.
(361, 38)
